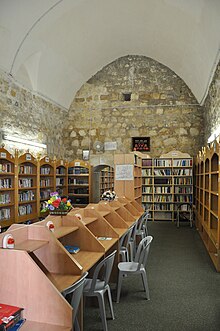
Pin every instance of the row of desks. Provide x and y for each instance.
(39, 268)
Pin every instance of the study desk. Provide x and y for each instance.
(38, 269)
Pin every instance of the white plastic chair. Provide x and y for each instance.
(133, 241)
(98, 286)
(124, 244)
(137, 266)
(142, 230)
(73, 295)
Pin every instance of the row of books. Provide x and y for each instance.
(60, 181)
(5, 214)
(77, 181)
(45, 182)
(24, 210)
(182, 172)
(26, 196)
(163, 198)
(147, 181)
(147, 189)
(25, 169)
(78, 171)
(6, 183)
(5, 167)
(25, 182)
(183, 190)
(163, 172)
(5, 198)
(60, 171)
(45, 194)
(182, 163)
(183, 181)
(146, 172)
(183, 198)
(45, 170)
(167, 162)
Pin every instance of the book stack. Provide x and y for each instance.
(10, 317)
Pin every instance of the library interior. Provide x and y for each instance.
(110, 165)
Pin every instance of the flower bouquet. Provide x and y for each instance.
(57, 205)
(108, 196)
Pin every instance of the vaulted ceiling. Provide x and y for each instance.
(53, 47)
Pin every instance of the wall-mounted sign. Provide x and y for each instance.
(110, 146)
(85, 155)
(141, 144)
(124, 172)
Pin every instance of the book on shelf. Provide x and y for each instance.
(9, 316)
(72, 249)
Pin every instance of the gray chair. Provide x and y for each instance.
(124, 244)
(142, 230)
(133, 241)
(136, 267)
(98, 285)
(73, 295)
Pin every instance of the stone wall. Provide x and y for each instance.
(161, 107)
(29, 116)
(212, 106)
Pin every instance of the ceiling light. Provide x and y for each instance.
(23, 141)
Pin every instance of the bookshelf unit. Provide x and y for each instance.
(46, 167)
(207, 202)
(61, 177)
(167, 182)
(7, 188)
(79, 183)
(103, 178)
(106, 180)
(128, 165)
(26, 188)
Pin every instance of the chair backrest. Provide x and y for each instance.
(125, 239)
(143, 251)
(142, 220)
(105, 266)
(134, 231)
(76, 290)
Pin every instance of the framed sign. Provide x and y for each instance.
(141, 144)
(124, 172)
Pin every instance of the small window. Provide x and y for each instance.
(127, 96)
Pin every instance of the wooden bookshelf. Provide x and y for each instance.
(61, 177)
(79, 183)
(103, 178)
(129, 166)
(46, 181)
(167, 182)
(7, 188)
(207, 204)
(26, 188)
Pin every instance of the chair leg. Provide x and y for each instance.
(102, 311)
(110, 302)
(145, 283)
(76, 325)
(120, 276)
(131, 244)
